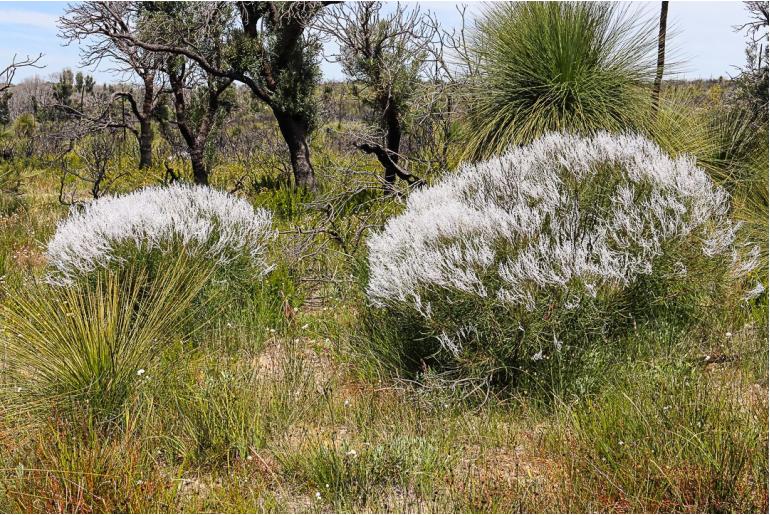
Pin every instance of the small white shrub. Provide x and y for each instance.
(556, 222)
(205, 221)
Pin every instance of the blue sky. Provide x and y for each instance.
(705, 43)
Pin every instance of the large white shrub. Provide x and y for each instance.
(547, 228)
(196, 219)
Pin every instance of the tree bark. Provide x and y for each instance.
(145, 143)
(392, 140)
(200, 172)
(295, 132)
(145, 122)
(661, 56)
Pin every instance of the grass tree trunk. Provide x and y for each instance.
(295, 131)
(661, 56)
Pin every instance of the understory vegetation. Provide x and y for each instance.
(567, 312)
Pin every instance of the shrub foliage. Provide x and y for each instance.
(197, 219)
(567, 240)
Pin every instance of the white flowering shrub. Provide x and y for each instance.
(150, 223)
(566, 239)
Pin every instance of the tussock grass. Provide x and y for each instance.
(667, 440)
(83, 349)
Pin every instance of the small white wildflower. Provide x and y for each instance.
(140, 372)
(272, 330)
(728, 334)
(352, 453)
(346, 403)
(305, 326)
(538, 355)
(18, 389)
(621, 443)
(318, 495)
(249, 457)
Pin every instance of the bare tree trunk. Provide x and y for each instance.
(661, 56)
(200, 171)
(145, 143)
(145, 123)
(392, 140)
(295, 132)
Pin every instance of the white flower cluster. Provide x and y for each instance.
(202, 219)
(532, 218)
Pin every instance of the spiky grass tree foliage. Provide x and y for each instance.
(156, 222)
(565, 241)
(557, 66)
(85, 349)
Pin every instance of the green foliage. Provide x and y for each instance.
(346, 477)
(429, 320)
(10, 195)
(83, 349)
(725, 140)
(5, 115)
(556, 66)
(255, 392)
(64, 88)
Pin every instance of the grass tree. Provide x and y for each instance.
(545, 66)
